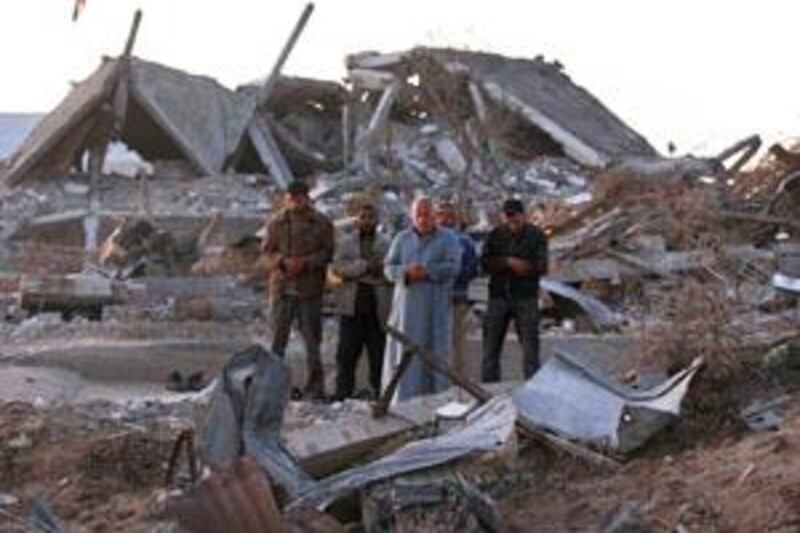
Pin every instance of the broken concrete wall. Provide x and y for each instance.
(51, 147)
(514, 99)
(170, 115)
(204, 119)
(305, 117)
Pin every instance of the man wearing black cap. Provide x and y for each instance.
(515, 257)
(298, 247)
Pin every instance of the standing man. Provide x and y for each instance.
(423, 262)
(448, 217)
(515, 257)
(297, 248)
(363, 301)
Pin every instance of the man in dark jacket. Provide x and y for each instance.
(515, 257)
(298, 247)
(364, 300)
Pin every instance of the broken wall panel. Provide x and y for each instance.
(69, 116)
(568, 111)
(143, 134)
(535, 91)
(175, 99)
(170, 114)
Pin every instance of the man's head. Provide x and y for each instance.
(446, 215)
(514, 215)
(296, 197)
(422, 215)
(367, 218)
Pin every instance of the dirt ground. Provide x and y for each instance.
(736, 484)
(95, 475)
(709, 472)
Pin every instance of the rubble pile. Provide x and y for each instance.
(133, 318)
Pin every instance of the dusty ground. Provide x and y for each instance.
(101, 469)
(747, 484)
(96, 476)
(708, 473)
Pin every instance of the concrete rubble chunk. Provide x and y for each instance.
(132, 217)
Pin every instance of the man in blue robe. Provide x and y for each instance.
(423, 262)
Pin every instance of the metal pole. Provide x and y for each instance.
(269, 83)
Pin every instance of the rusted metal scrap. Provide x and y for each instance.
(482, 395)
(241, 499)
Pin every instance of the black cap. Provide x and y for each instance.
(513, 206)
(297, 188)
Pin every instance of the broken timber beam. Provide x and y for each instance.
(482, 395)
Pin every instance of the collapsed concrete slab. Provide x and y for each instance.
(536, 91)
(303, 117)
(162, 120)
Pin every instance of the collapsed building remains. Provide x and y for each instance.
(131, 219)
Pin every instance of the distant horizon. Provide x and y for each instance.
(23, 113)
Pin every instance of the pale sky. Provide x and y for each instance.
(701, 73)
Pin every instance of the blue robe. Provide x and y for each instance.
(421, 310)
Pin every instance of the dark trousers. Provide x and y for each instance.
(525, 313)
(308, 314)
(355, 334)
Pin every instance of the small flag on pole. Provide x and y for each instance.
(79, 5)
